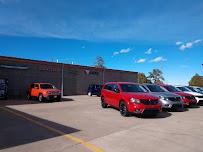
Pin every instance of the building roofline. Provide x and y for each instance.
(55, 63)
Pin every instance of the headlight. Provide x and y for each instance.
(163, 98)
(135, 100)
(183, 97)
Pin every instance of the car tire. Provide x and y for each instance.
(89, 93)
(124, 109)
(40, 97)
(103, 103)
(58, 99)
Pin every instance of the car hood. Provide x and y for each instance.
(164, 94)
(139, 95)
(194, 93)
(182, 94)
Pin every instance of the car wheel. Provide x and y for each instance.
(89, 93)
(103, 103)
(58, 99)
(40, 98)
(124, 109)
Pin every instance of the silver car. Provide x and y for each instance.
(169, 100)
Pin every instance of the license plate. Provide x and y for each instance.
(55, 96)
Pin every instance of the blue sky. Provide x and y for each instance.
(129, 34)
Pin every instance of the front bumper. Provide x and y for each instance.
(199, 100)
(171, 104)
(188, 102)
(53, 97)
(146, 109)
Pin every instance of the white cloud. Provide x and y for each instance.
(197, 41)
(149, 51)
(116, 53)
(127, 50)
(158, 59)
(140, 61)
(179, 43)
(188, 44)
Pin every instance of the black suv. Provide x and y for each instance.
(94, 89)
(3, 88)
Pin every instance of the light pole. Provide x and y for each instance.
(62, 67)
(103, 75)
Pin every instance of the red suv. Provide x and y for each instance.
(129, 98)
(44, 91)
(187, 98)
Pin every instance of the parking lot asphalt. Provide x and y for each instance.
(79, 124)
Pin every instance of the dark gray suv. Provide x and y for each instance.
(169, 100)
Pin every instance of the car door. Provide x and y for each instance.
(115, 95)
(107, 93)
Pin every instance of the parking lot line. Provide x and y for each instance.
(76, 139)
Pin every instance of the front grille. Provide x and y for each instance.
(174, 98)
(149, 102)
(190, 97)
(199, 96)
(53, 93)
(175, 106)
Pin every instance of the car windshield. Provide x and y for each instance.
(184, 89)
(200, 89)
(192, 89)
(47, 86)
(132, 88)
(172, 89)
(156, 88)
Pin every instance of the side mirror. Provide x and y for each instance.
(116, 90)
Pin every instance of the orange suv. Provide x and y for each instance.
(44, 91)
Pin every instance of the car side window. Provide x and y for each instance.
(109, 87)
(115, 87)
(36, 86)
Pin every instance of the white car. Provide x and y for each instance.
(198, 96)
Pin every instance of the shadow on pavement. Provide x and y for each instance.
(25, 101)
(163, 114)
(160, 115)
(15, 130)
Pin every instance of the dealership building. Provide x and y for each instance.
(74, 79)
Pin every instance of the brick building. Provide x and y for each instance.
(76, 78)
